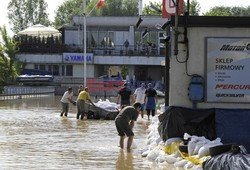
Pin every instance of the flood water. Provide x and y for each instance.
(34, 136)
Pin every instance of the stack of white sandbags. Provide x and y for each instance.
(107, 105)
(198, 146)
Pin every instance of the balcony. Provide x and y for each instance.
(55, 47)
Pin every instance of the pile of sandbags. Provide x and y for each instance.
(168, 151)
(107, 105)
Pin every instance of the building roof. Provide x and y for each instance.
(212, 21)
(119, 21)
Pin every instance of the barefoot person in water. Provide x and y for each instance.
(124, 123)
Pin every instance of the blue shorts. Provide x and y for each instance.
(142, 107)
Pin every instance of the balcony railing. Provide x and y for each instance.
(97, 50)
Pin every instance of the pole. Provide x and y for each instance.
(176, 32)
(167, 79)
(84, 43)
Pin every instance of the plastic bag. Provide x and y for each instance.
(235, 159)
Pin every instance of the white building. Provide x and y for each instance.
(105, 49)
(217, 49)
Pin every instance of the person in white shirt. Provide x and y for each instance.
(66, 99)
(139, 96)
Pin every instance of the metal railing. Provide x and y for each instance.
(118, 50)
(20, 92)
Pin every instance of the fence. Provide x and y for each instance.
(20, 92)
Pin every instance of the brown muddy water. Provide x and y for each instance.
(34, 136)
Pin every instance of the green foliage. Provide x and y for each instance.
(23, 13)
(228, 11)
(124, 71)
(219, 11)
(70, 8)
(65, 12)
(9, 65)
(147, 10)
(115, 8)
(194, 8)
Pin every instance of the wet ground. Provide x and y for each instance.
(34, 136)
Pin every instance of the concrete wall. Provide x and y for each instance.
(179, 80)
(127, 60)
(40, 58)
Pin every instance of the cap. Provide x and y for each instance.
(86, 88)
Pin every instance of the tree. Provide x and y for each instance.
(115, 8)
(147, 10)
(130, 8)
(23, 13)
(9, 65)
(194, 8)
(218, 11)
(228, 11)
(65, 12)
(70, 8)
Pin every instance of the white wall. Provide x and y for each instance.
(40, 58)
(127, 60)
(179, 81)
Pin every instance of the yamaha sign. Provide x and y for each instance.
(77, 58)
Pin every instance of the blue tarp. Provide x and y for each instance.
(233, 126)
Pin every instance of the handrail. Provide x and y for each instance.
(118, 50)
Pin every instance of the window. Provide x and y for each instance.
(93, 39)
(63, 70)
(161, 43)
(153, 37)
(69, 70)
(36, 66)
(102, 41)
(111, 37)
(50, 68)
(42, 67)
(55, 70)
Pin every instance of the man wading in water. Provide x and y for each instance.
(66, 99)
(124, 123)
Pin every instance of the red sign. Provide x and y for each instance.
(168, 8)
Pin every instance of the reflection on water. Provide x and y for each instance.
(125, 160)
(34, 136)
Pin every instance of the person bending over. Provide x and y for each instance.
(65, 100)
(124, 123)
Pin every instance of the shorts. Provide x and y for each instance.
(123, 127)
(65, 107)
(142, 107)
(125, 102)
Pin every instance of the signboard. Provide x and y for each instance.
(168, 8)
(77, 58)
(228, 69)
